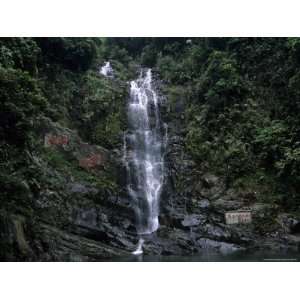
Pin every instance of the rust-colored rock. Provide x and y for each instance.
(91, 161)
(56, 140)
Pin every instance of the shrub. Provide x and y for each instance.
(21, 103)
(77, 54)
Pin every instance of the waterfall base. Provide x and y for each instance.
(139, 249)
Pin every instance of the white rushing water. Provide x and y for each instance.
(139, 249)
(106, 70)
(143, 153)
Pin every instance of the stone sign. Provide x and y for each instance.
(238, 217)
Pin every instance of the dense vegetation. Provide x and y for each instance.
(54, 79)
(241, 106)
(240, 113)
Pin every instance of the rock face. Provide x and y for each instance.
(80, 215)
(195, 202)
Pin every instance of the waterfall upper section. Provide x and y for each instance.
(144, 145)
(107, 70)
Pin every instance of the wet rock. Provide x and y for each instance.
(65, 246)
(210, 180)
(18, 222)
(22, 240)
(216, 232)
(289, 223)
(262, 209)
(211, 186)
(193, 220)
(175, 241)
(222, 247)
(47, 199)
(204, 203)
(86, 217)
(279, 243)
(80, 188)
(222, 205)
(295, 228)
(14, 243)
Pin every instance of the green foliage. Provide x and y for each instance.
(278, 149)
(245, 118)
(77, 54)
(60, 88)
(220, 85)
(115, 53)
(99, 109)
(19, 53)
(148, 56)
(271, 141)
(21, 104)
(293, 44)
(20, 179)
(38, 80)
(108, 133)
(167, 68)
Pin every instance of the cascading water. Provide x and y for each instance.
(144, 144)
(106, 70)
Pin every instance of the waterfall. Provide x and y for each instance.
(139, 249)
(143, 152)
(106, 70)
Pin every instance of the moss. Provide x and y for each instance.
(261, 186)
(109, 131)
(265, 222)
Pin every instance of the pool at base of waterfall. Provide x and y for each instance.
(239, 256)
